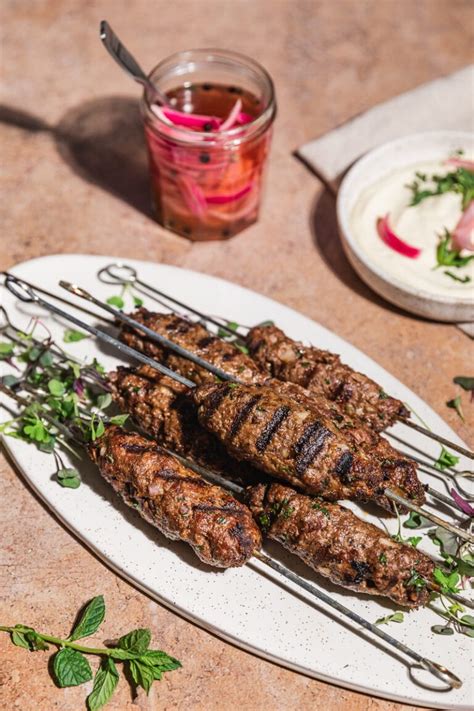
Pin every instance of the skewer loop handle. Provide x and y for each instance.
(20, 290)
(441, 673)
(118, 273)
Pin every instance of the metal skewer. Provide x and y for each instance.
(130, 276)
(115, 279)
(152, 335)
(28, 295)
(82, 293)
(438, 670)
(63, 357)
(170, 345)
(163, 341)
(57, 297)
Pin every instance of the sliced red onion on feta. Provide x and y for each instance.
(392, 240)
(463, 233)
(461, 163)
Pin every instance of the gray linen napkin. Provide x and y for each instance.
(445, 103)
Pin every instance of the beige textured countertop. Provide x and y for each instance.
(74, 181)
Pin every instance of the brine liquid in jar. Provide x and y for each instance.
(207, 159)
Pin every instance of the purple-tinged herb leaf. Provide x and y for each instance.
(462, 503)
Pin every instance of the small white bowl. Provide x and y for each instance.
(377, 164)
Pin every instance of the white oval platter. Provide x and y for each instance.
(244, 606)
(376, 165)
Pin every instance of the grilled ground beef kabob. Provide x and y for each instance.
(336, 544)
(323, 373)
(291, 441)
(393, 469)
(165, 410)
(179, 502)
(330, 539)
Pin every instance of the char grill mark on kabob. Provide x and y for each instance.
(329, 538)
(175, 499)
(323, 373)
(292, 442)
(390, 468)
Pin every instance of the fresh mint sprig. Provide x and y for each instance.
(71, 666)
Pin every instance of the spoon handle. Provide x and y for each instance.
(126, 60)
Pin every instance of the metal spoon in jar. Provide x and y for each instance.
(123, 57)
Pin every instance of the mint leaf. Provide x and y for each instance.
(71, 668)
(105, 682)
(465, 382)
(90, 620)
(159, 659)
(116, 301)
(36, 643)
(448, 583)
(455, 404)
(67, 473)
(142, 674)
(18, 639)
(396, 617)
(68, 478)
(46, 359)
(72, 336)
(103, 401)
(136, 641)
(467, 620)
(9, 380)
(56, 387)
(415, 520)
(446, 459)
(6, 350)
(442, 629)
(137, 301)
(119, 419)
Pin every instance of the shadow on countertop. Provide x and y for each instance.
(325, 234)
(102, 140)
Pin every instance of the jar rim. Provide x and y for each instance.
(183, 134)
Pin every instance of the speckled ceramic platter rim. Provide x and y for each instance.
(242, 606)
(376, 164)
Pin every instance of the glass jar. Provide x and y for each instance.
(207, 175)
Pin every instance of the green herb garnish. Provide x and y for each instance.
(319, 507)
(396, 617)
(70, 666)
(448, 257)
(455, 404)
(72, 336)
(464, 280)
(116, 301)
(415, 581)
(448, 582)
(445, 460)
(459, 181)
(465, 382)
